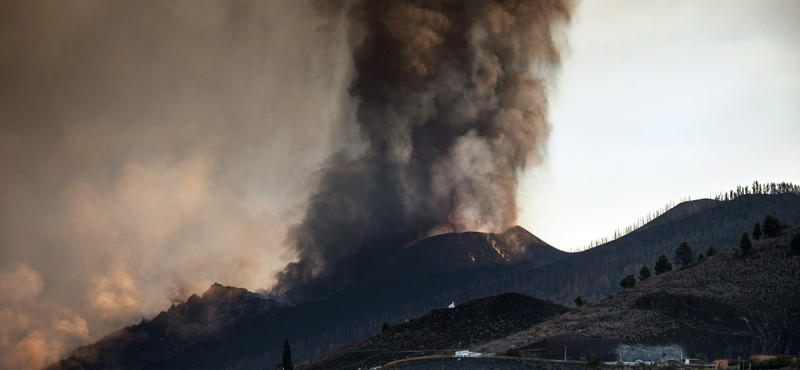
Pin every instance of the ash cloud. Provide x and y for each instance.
(451, 105)
(149, 149)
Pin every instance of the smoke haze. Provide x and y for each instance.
(451, 105)
(149, 149)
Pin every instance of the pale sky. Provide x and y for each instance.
(661, 100)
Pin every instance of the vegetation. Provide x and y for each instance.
(287, 356)
(755, 188)
(711, 251)
(779, 362)
(579, 301)
(796, 244)
(644, 273)
(385, 326)
(700, 257)
(594, 362)
(662, 265)
(757, 231)
(628, 282)
(772, 227)
(684, 255)
(745, 245)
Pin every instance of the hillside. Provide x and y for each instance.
(172, 331)
(233, 334)
(722, 307)
(596, 272)
(466, 325)
(425, 275)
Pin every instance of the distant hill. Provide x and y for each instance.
(474, 322)
(425, 275)
(172, 331)
(596, 272)
(722, 307)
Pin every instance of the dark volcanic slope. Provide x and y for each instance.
(723, 306)
(474, 322)
(464, 326)
(720, 225)
(172, 331)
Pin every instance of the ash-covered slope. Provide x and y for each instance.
(469, 324)
(172, 331)
(230, 327)
(722, 306)
(449, 267)
(596, 272)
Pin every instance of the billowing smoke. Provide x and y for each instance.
(451, 105)
(149, 149)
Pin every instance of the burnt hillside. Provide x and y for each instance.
(469, 324)
(722, 306)
(596, 272)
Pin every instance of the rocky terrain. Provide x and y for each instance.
(723, 306)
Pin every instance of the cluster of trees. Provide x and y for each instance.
(771, 228)
(684, 256)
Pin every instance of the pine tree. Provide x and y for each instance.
(385, 326)
(644, 273)
(662, 265)
(757, 231)
(579, 301)
(711, 251)
(287, 356)
(628, 282)
(771, 227)
(684, 255)
(745, 245)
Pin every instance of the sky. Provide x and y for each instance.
(662, 100)
(151, 149)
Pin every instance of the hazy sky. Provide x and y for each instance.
(662, 100)
(150, 148)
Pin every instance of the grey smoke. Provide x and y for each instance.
(449, 110)
(148, 149)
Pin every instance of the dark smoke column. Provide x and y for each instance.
(449, 111)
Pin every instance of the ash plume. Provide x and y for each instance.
(451, 105)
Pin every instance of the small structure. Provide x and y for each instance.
(452, 304)
(467, 353)
(763, 356)
(694, 362)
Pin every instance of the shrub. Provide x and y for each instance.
(385, 326)
(772, 227)
(662, 265)
(594, 362)
(757, 231)
(683, 255)
(628, 282)
(644, 273)
(745, 245)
